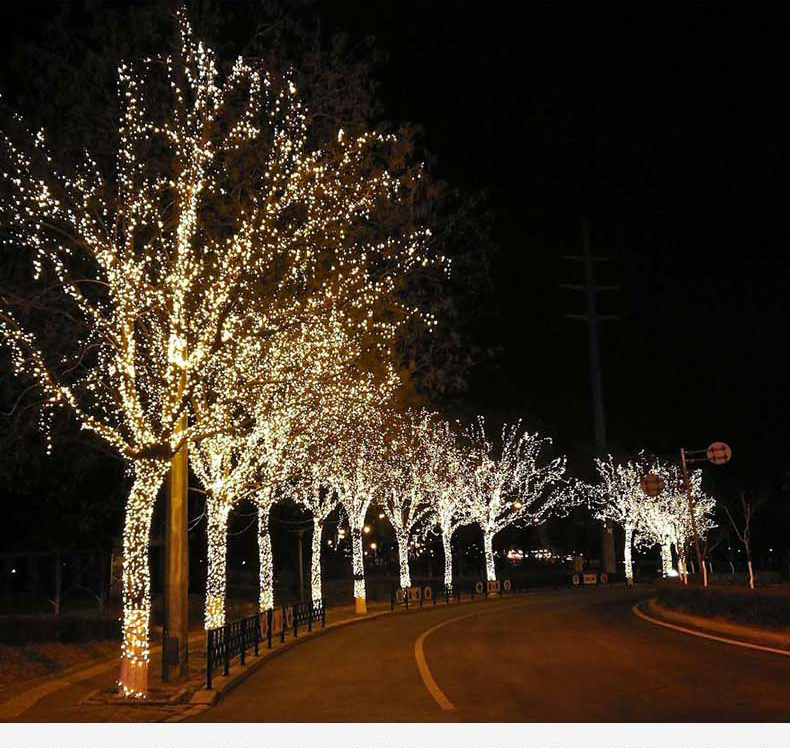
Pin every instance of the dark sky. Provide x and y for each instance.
(664, 124)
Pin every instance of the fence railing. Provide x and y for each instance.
(430, 595)
(236, 638)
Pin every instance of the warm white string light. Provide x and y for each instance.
(509, 484)
(183, 260)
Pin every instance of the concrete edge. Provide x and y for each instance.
(748, 637)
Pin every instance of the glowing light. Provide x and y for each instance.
(507, 472)
(197, 287)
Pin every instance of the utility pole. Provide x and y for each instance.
(175, 653)
(592, 318)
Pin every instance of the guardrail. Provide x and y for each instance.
(238, 637)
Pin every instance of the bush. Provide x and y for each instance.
(760, 607)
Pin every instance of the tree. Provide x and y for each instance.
(447, 479)
(665, 519)
(408, 487)
(356, 475)
(509, 484)
(744, 530)
(216, 227)
(619, 498)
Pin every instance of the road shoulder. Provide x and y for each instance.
(720, 630)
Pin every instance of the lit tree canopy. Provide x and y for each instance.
(409, 480)
(216, 228)
(665, 519)
(509, 483)
(618, 497)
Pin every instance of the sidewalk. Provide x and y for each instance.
(777, 641)
(82, 693)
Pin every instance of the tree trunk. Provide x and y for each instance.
(488, 549)
(358, 567)
(403, 558)
(751, 571)
(666, 558)
(629, 568)
(315, 561)
(447, 546)
(216, 579)
(265, 562)
(149, 475)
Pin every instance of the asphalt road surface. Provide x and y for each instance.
(566, 656)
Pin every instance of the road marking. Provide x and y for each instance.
(734, 642)
(422, 665)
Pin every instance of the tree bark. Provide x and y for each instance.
(488, 550)
(629, 568)
(216, 579)
(316, 591)
(666, 558)
(265, 562)
(403, 558)
(133, 681)
(358, 567)
(447, 546)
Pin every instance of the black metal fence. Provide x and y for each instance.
(430, 595)
(236, 638)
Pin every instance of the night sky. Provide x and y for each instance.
(663, 124)
(666, 126)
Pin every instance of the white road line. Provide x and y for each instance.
(734, 642)
(422, 665)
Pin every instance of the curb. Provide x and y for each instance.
(706, 625)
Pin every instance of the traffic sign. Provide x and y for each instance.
(719, 453)
(652, 484)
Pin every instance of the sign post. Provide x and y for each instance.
(717, 453)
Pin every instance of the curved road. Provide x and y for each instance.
(568, 656)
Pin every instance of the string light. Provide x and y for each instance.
(189, 276)
(507, 473)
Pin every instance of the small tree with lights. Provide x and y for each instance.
(510, 483)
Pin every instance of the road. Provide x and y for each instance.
(565, 656)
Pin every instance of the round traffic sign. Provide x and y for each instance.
(479, 587)
(507, 585)
(652, 484)
(718, 453)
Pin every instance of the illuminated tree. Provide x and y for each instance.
(510, 484)
(665, 519)
(446, 481)
(619, 498)
(355, 474)
(408, 480)
(216, 226)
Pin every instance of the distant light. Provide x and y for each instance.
(517, 505)
(381, 515)
(243, 563)
(13, 571)
(366, 529)
(373, 546)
